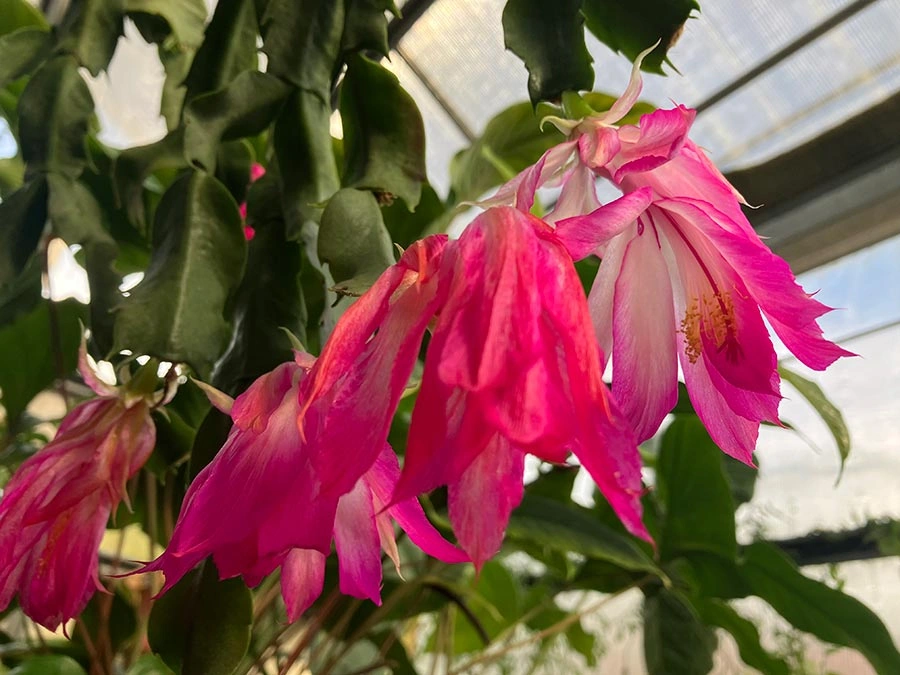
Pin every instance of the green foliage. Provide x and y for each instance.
(353, 240)
(48, 665)
(21, 51)
(549, 38)
(829, 413)
(716, 613)
(384, 136)
(54, 111)
(631, 26)
(43, 345)
(202, 625)
(177, 312)
(90, 31)
(675, 639)
(699, 512)
(816, 608)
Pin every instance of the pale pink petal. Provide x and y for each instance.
(582, 235)
(358, 545)
(630, 96)
(645, 362)
(218, 399)
(519, 191)
(302, 580)
(601, 297)
(481, 501)
(578, 195)
(717, 317)
(89, 374)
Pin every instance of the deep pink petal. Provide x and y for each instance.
(519, 191)
(302, 580)
(251, 410)
(354, 388)
(358, 545)
(769, 280)
(481, 501)
(645, 362)
(582, 235)
(382, 479)
(653, 142)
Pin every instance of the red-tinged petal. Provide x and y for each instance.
(645, 362)
(382, 479)
(602, 439)
(257, 171)
(654, 141)
(491, 302)
(302, 580)
(582, 235)
(63, 565)
(446, 434)
(358, 546)
(481, 501)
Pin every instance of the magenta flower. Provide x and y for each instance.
(259, 505)
(257, 171)
(352, 392)
(684, 277)
(55, 508)
(512, 368)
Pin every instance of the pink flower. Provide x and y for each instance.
(684, 277)
(353, 390)
(512, 368)
(259, 504)
(55, 508)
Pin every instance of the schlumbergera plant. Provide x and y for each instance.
(316, 456)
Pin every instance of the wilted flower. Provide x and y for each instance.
(259, 504)
(55, 508)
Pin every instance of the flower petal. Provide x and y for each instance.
(582, 235)
(481, 501)
(645, 362)
(302, 580)
(358, 545)
(654, 141)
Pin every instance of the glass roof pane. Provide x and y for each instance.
(460, 53)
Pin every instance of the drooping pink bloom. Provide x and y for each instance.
(55, 508)
(684, 278)
(512, 368)
(352, 392)
(259, 505)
